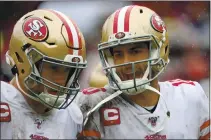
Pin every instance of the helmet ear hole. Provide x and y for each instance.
(19, 58)
(14, 70)
(22, 71)
(166, 49)
(141, 11)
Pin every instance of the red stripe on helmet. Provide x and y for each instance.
(127, 19)
(79, 39)
(115, 24)
(69, 32)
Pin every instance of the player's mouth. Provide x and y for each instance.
(52, 92)
(130, 75)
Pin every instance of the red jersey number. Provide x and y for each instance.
(5, 112)
(178, 82)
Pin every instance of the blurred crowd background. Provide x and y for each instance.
(187, 23)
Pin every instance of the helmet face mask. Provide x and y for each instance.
(47, 51)
(149, 72)
(40, 86)
(114, 36)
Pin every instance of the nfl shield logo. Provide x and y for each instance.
(153, 121)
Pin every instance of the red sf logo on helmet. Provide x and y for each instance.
(76, 59)
(157, 23)
(120, 35)
(35, 29)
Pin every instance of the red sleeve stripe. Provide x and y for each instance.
(205, 137)
(90, 133)
(205, 124)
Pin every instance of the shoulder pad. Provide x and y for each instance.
(90, 97)
(75, 113)
(192, 89)
(5, 112)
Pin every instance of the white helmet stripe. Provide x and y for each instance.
(121, 19)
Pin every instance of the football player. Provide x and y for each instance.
(134, 51)
(47, 53)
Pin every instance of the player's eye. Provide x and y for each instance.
(117, 54)
(138, 51)
(54, 67)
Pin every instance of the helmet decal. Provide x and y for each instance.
(35, 29)
(157, 23)
(120, 35)
(76, 59)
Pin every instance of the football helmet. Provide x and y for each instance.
(132, 25)
(49, 37)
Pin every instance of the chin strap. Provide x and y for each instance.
(49, 99)
(158, 92)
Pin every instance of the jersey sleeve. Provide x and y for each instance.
(5, 117)
(6, 130)
(89, 98)
(204, 113)
(86, 100)
(76, 118)
(92, 129)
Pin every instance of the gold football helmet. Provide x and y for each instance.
(133, 25)
(47, 37)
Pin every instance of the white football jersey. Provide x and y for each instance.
(122, 119)
(19, 121)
